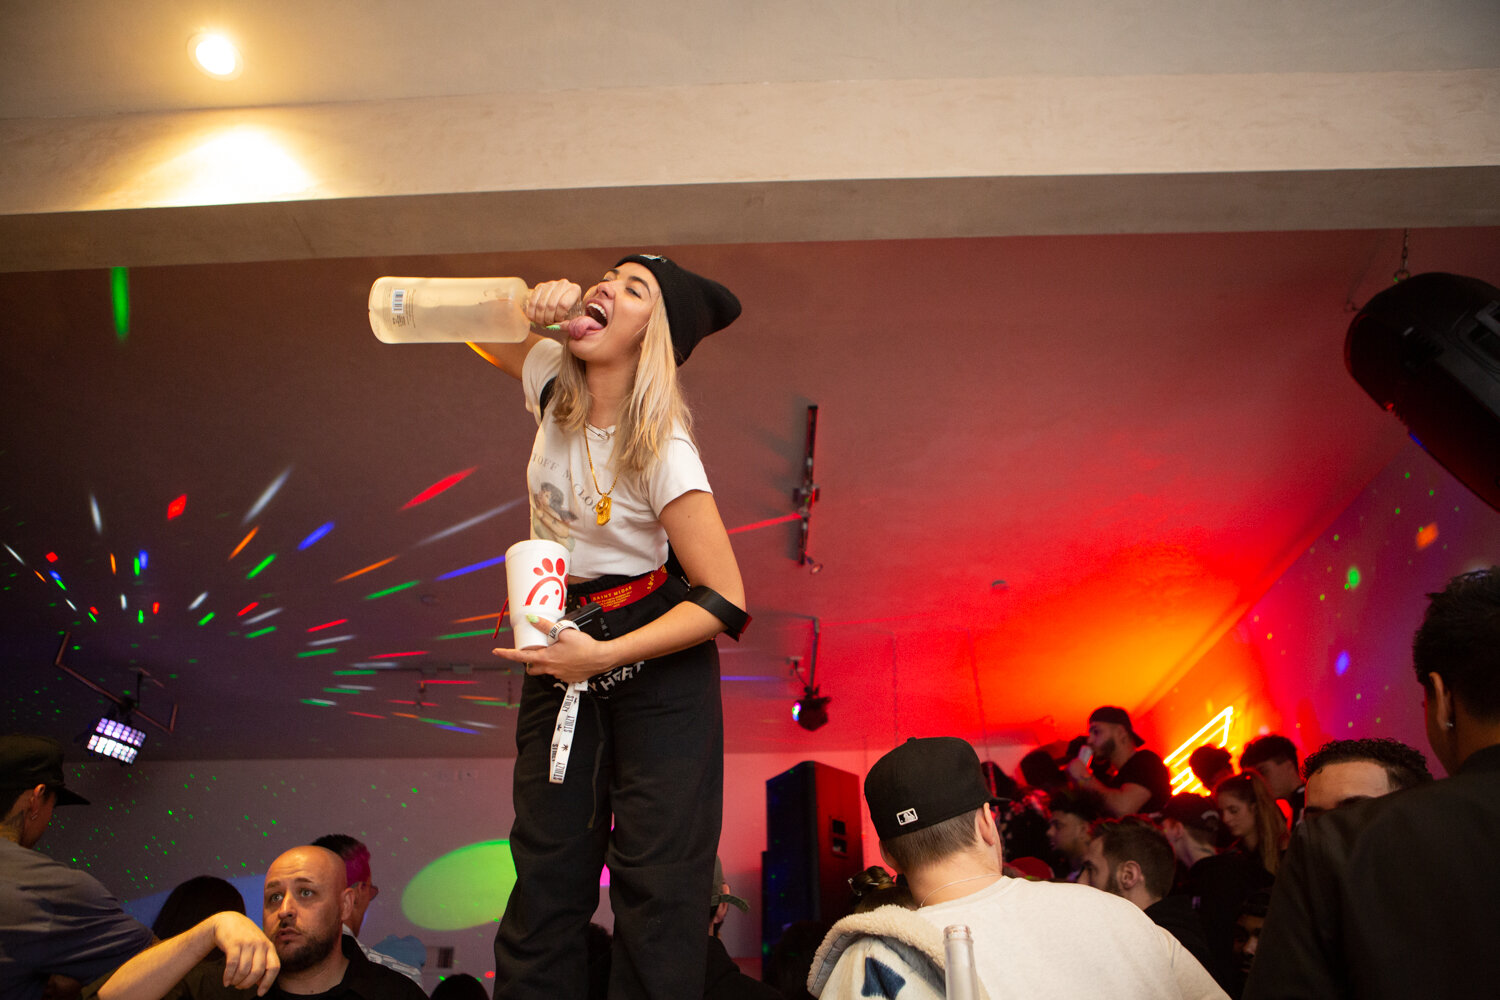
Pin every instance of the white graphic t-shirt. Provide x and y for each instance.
(563, 494)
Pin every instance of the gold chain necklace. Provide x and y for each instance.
(601, 509)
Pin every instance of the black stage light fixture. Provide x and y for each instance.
(811, 710)
(116, 740)
(1428, 350)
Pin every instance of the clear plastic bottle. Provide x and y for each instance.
(962, 978)
(449, 310)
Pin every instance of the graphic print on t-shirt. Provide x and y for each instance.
(550, 515)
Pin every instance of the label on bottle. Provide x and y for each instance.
(398, 301)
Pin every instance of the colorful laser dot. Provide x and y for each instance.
(263, 564)
(267, 496)
(438, 487)
(1341, 665)
(176, 507)
(472, 567)
(330, 640)
(244, 541)
(94, 513)
(1427, 535)
(119, 295)
(1351, 579)
(247, 609)
(315, 537)
(392, 590)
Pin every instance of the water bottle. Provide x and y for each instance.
(958, 948)
(449, 310)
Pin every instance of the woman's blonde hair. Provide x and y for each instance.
(654, 410)
(1271, 832)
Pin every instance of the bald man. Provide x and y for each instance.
(297, 951)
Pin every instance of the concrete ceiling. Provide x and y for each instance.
(1069, 290)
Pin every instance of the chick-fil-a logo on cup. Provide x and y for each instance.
(536, 576)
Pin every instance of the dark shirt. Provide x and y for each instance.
(1297, 802)
(1216, 887)
(57, 920)
(1024, 832)
(363, 980)
(1393, 897)
(725, 981)
(1176, 916)
(1145, 768)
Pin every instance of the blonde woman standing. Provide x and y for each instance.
(615, 476)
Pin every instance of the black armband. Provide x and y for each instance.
(735, 620)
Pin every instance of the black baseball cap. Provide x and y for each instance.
(922, 783)
(696, 306)
(27, 761)
(1120, 717)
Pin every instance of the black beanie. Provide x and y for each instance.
(696, 306)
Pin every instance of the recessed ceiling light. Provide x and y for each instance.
(216, 55)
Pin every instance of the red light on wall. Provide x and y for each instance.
(438, 487)
(176, 507)
(52, 557)
(248, 608)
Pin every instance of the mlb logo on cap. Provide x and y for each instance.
(923, 782)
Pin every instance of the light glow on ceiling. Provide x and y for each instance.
(216, 55)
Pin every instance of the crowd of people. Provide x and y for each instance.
(63, 936)
(1350, 873)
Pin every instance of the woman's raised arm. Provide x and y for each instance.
(550, 302)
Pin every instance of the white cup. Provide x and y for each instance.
(536, 576)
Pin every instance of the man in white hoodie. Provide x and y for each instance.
(930, 807)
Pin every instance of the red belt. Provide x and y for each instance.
(626, 593)
(610, 600)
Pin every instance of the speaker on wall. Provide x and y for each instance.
(813, 846)
(1428, 350)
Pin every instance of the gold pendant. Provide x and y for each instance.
(601, 510)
